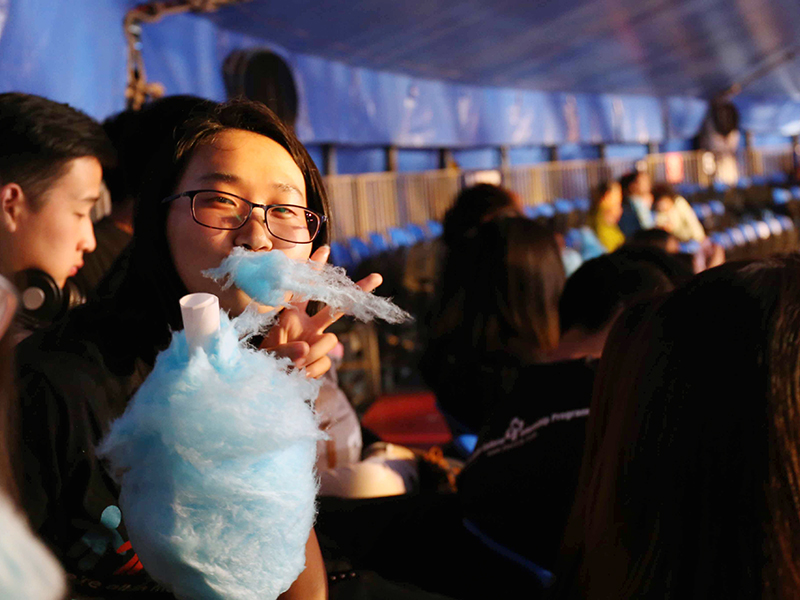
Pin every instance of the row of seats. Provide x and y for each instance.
(355, 250)
(737, 239)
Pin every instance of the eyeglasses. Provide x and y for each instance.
(222, 210)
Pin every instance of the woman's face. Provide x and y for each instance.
(248, 165)
(611, 204)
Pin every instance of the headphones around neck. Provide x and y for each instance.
(41, 300)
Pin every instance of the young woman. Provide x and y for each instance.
(689, 483)
(498, 306)
(605, 213)
(231, 176)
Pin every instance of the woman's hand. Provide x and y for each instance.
(302, 337)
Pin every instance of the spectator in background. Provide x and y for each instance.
(675, 215)
(476, 205)
(134, 134)
(498, 306)
(604, 214)
(51, 167)
(689, 482)
(518, 486)
(655, 238)
(637, 203)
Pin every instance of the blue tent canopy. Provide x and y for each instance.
(437, 74)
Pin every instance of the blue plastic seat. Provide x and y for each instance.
(749, 232)
(781, 196)
(721, 238)
(703, 210)
(720, 187)
(399, 237)
(582, 204)
(778, 178)
(763, 230)
(743, 183)
(377, 242)
(759, 180)
(531, 211)
(359, 249)
(416, 232)
(340, 255)
(690, 247)
(546, 210)
(717, 207)
(795, 191)
(573, 239)
(774, 225)
(737, 237)
(786, 222)
(435, 229)
(563, 207)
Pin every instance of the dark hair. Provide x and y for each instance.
(148, 265)
(40, 137)
(602, 287)
(690, 483)
(599, 192)
(663, 189)
(136, 133)
(499, 285)
(677, 271)
(627, 180)
(655, 238)
(474, 206)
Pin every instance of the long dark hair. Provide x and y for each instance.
(500, 286)
(146, 273)
(690, 484)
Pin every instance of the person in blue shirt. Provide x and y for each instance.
(637, 203)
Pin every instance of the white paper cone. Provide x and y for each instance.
(200, 318)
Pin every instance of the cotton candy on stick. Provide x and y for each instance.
(267, 276)
(215, 456)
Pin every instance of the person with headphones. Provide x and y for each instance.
(51, 170)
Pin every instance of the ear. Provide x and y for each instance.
(12, 205)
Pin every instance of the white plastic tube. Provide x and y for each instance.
(200, 318)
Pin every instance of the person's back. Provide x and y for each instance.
(688, 487)
(518, 486)
(498, 308)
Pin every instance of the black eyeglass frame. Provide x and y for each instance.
(192, 193)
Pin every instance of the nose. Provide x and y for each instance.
(88, 242)
(254, 235)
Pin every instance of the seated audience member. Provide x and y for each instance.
(677, 268)
(637, 203)
(134, 134)
(571, 257)
(477, 205)
(51, 168)
(604, 215)
(28, 571)
(498, 307)
(674, 214)
(518, 486)
(78, 376)
(689, 482)
(655, 238)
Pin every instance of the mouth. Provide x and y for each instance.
(74, 270)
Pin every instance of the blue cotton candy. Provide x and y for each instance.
(215, 456)
(27, 569)
(267, 276)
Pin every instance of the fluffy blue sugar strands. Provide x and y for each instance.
(27, 569)
(267, 276)
(215, 456)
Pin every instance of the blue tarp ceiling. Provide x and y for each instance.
(431, 73)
